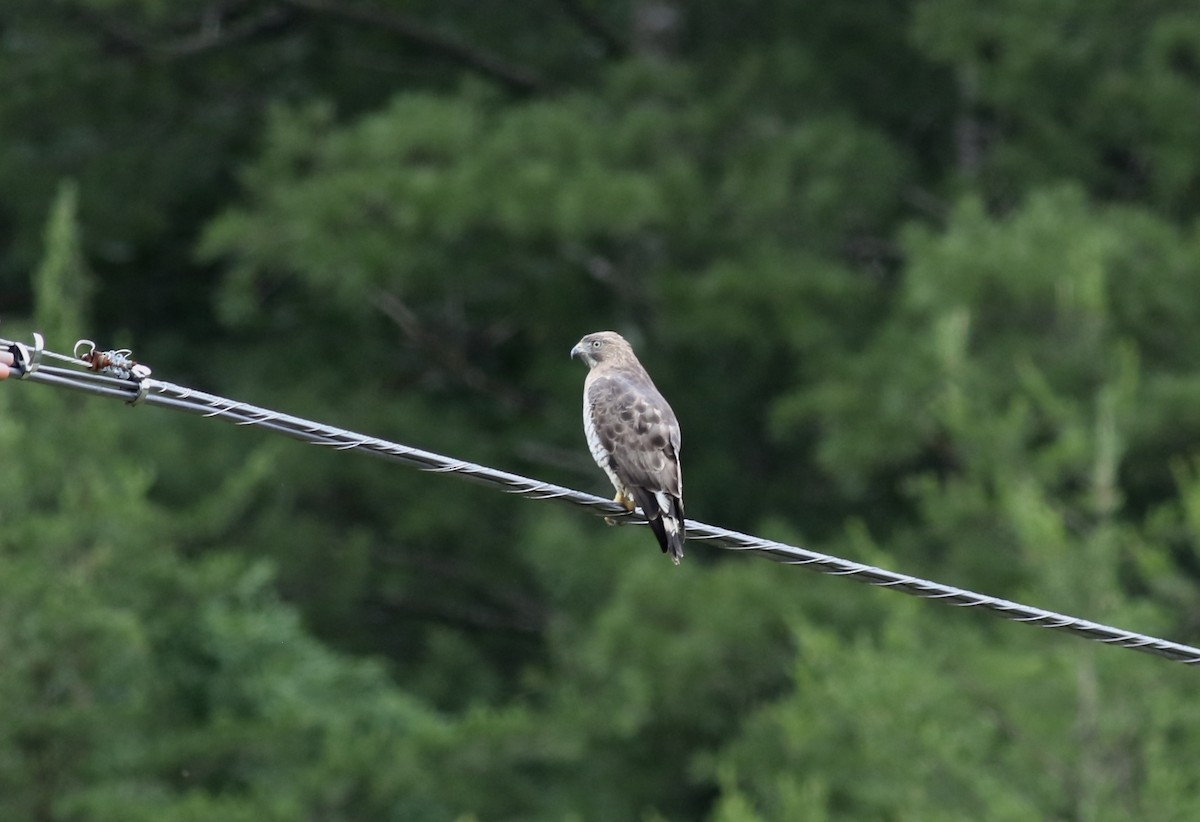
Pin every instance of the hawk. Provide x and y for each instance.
(633, 436)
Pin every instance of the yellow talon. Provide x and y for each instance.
(625, 502)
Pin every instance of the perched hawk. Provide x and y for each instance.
(633, 435)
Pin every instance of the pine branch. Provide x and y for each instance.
(517, 78)
(591, 22)
(215, 30)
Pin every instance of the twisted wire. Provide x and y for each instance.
(179, 398)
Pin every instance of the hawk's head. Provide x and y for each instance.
(603, 347)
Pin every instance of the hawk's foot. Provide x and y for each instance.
(625, 502)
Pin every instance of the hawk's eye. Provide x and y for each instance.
(595, 343)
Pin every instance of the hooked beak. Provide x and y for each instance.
(577, 351)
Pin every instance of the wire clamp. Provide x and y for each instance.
(30, 360)
(142, 391)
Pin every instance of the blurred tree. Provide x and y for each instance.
(914, 274)
(138, 684)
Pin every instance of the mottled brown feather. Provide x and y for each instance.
(637, 435)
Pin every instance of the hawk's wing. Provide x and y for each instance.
(634, 436)
(638, 430)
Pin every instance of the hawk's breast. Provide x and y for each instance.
(600, 454)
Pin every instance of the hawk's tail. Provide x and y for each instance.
(675, 536)
(665, 515)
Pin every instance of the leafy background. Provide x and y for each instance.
(918, 276)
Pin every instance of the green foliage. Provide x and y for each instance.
(62, 284)
(916, 276)
(921, 722)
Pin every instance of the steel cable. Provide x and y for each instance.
(144, 390)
